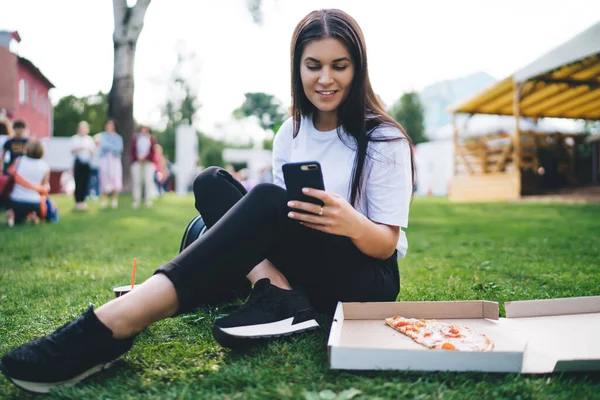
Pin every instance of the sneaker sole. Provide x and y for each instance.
(45, 387)
(245, 335)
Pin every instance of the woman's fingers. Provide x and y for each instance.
(318, 194)
(310, 207)
(311, 218)
(322, 228)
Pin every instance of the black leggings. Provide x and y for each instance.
(81, 172)
(247, 227)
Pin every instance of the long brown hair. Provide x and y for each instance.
(361, 111)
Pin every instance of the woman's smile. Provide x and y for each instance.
(327, 94)
(326, 71)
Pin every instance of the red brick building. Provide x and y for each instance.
(24, 89)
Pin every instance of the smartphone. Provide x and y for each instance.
(299, 175)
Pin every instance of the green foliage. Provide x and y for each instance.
(70, 110)
(177, 110)
(265, 106)
(50, 273)
(210, 150)
(591, 127)
(268, 143)
(183, 111)
(408, 111)
(189, 104)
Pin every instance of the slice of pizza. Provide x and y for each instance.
(441, 335)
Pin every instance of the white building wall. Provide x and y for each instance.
(435, 165)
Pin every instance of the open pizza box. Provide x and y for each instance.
(537, 336)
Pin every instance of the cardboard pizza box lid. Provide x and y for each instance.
(561, 334)
(360, 338)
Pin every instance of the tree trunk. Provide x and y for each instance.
(129, 22)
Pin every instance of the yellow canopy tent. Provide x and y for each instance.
(564, 83)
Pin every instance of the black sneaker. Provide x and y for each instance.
(73, 352)
(270, 312)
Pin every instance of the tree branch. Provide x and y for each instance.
(119, 11)
(136, 21)
(254, 7)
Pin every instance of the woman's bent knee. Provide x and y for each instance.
(209, 180)
(205, 177)
(269, 192)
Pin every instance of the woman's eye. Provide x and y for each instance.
(312, 67)
(340, 67)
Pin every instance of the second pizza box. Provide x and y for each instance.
(534, 338)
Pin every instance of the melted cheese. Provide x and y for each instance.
(441, 335)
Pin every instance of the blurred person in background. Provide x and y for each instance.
(6, 132)
(93, 189)
(25, 202)
(163, 170)
(244, 178)
(265, 175)
(82, 148)
(110, 148)
(143, 167)
(15, 146)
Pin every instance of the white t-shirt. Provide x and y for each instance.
(387, 182)
(33, 171)
(142, 145)
(87, 146)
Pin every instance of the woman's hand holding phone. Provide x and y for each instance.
(336, 216)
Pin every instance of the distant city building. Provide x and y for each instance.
(24, 89)
(438, 97)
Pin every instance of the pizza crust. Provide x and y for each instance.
(439, 335)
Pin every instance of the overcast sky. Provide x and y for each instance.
(411, 44)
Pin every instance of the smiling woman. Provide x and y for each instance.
(326, 72)
(256, 242)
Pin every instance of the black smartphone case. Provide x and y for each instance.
(297, 178)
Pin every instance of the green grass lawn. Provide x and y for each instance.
(51, 273)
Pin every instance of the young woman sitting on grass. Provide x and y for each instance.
(258, 242)
(25, 202)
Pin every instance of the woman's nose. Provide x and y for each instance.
(325, 77)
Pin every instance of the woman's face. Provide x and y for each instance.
(326, 70)
(83, 129)
(110, 126)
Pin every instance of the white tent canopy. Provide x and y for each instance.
(586, 44)
(563, 83)
(482, 124)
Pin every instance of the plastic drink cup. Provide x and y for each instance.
(122, 290)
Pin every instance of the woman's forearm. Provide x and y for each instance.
(376, 240)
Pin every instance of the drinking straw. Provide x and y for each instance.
(133, 273)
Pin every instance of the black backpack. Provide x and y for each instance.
(193, 231)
